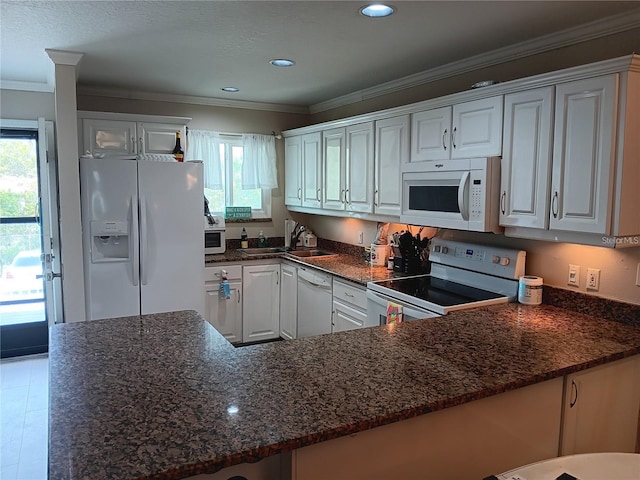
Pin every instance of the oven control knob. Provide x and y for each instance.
(436, 248)
(445, 249)
(504, 261)
(495, 259)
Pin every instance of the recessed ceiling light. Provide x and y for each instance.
(282, 62)
(377, 10)
(230, 89)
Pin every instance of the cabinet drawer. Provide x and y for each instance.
(350, 294)
(234, 272)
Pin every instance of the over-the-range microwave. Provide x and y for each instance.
(214, 235)
(459, 194)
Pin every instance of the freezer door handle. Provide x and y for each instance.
(143, 240)
(135, 253)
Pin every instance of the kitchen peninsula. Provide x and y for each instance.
(165, 396)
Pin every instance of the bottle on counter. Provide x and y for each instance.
(262, 241)
(244, 239)
(177, 150)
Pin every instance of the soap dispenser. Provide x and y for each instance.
(262, 241)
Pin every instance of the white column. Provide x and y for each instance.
(69, 183)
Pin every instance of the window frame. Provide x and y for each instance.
(229, 142)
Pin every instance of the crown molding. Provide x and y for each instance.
(196, 100)
(26, 86)
(588, 31)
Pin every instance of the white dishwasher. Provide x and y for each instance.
(314, 302)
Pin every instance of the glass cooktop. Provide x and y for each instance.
(438, 291)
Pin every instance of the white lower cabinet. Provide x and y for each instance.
(288, 301)
(224, 314)
(349, 306)
(261, 302)
(473, 440)
(601, 409)
(268, 468)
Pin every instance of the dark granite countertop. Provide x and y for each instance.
(349, 267)
(165, 396)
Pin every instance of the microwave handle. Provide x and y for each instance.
(463, 194)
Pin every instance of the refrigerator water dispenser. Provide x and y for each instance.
(110, 241)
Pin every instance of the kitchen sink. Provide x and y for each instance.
(311, 253)
(262, 251)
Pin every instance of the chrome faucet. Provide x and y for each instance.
(295, 234)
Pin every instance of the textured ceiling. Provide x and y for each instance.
(196, 47)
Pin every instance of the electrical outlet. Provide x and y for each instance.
(360, 238)
(638, 275)
(593, 279)
(574, 275)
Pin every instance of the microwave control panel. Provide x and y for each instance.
(476, 198)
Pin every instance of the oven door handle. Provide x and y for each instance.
(463, 194)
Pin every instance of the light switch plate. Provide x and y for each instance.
(638, 275)
(574, 275)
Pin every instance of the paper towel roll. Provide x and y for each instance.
(530, 290)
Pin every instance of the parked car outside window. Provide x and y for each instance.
(22, 280)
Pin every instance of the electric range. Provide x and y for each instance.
(463, 275)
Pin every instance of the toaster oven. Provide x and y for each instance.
(214, 235)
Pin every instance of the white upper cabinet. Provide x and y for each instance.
(159, 137)
(391, 151)
(311, 170)
(465, 130)
(334, 176)
(526, 158)
(109, 137)
(303, 170)
(122, 135)
(348, 168)
(359, 167)
(583, 154)
(293, 170)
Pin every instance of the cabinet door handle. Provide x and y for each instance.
(453, 137)
(503, 197)
(574, 388)
(346, 294)
(318, 195)
(133, 144)
(343, 197)
(277, 278)
(444, 134)
(346, 192)
(239, 292)
(140, 145)
(554, 205)
(299, 193)
(375, 197)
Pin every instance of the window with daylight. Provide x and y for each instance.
(225, 167)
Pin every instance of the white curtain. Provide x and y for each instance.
(204, 145)
(259, 162)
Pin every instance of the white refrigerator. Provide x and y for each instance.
(142, 234)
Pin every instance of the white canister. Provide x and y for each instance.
(530, 290)
(379, 254)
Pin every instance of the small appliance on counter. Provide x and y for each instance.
(214, 234)
(309, 240)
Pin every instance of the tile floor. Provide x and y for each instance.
(24, 392)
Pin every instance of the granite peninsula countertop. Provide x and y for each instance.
(165, 396)
(349, 267)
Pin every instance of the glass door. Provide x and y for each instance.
(23, 299)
